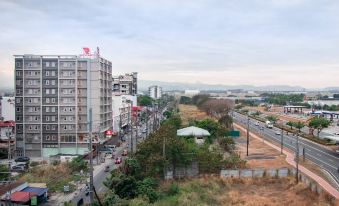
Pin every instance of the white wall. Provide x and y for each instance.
(8, 108)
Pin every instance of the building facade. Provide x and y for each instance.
(121, 107)
(53, 97)
(125, 84)
(155, 92)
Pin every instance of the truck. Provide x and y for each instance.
(269, 124)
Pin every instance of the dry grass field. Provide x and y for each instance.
(212, 191)
(190, 112)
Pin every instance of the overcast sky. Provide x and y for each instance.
(258, 42)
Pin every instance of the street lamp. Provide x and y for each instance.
(297, 158)
(248, 134)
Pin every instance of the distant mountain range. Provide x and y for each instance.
(170, 86)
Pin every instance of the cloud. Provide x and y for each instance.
(185, 39)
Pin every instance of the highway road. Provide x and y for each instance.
(324, 158)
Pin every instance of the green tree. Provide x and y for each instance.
(227, 143)
(77, 164)
(167, 114)
(226, 120)
(299, 125)
(210, 160)
(144, 100)
(272, 118)
(147, 187)
(214, 128)
(123, 185)
(185, 100)
(290, 123)
(3, 168)
(318, 123)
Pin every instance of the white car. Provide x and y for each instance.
(256, 123)
(277, 132)
(336, 133)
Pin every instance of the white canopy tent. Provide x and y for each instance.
(193, 131)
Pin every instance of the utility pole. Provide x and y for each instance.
(297, 159)
(164, 154)
(120, 126)
(90, 159)
(282, 140)
(248, 135)
(130, 121)
(136, 126)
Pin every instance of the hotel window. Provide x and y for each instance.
(53, 82)
(18, 91)
(47, 64)
(47, 127)
(47, 100)
(53, 100)
(47, 73)
(47, 82)
(53, 127)
(47, 118)
(17, 100)
(47, 109)
(53, 64)
(47, 137)
(18, 109)
(53, 73)
(53, 118)
(18, 73)
(18, 64)
(53, 109)
(47, 91)
(53, 91)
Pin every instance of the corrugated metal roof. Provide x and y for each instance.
(21, 197)
(193, 131)
(37, 190)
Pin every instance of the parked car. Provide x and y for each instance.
(277, 132)
(124, 152)
(112, 146)
(118, 160)
(261, 128)
(18, 168)
(144, 130)
(22, 159)
(105, 150)
(256, 123)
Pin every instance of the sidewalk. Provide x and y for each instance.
(290, 159)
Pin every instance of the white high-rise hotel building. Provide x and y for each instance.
(53, 96)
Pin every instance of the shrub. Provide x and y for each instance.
(174, 189)
(33, 164)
